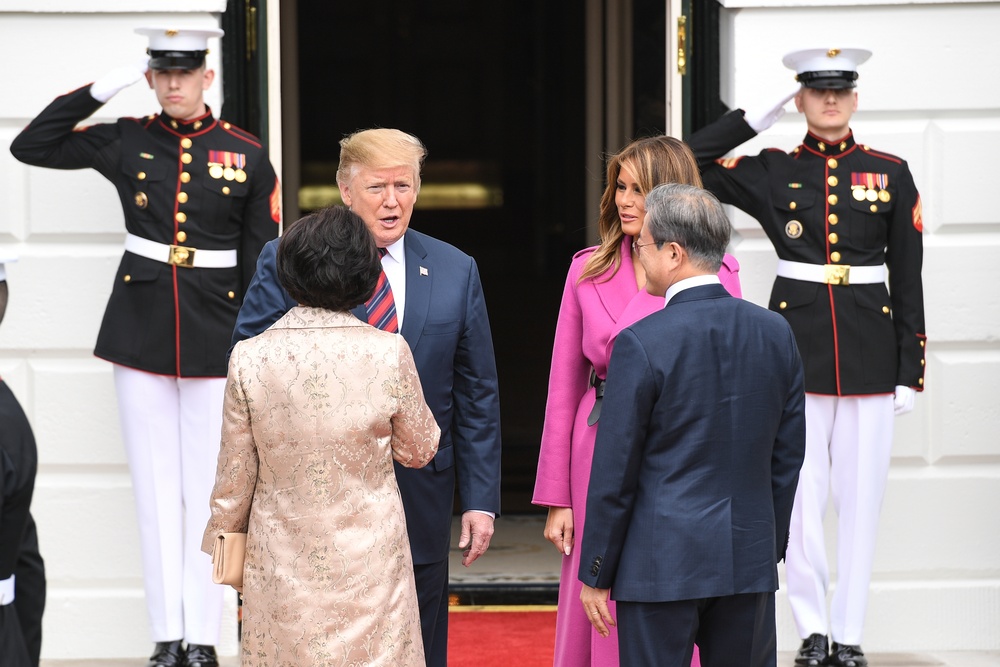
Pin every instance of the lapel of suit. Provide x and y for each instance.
(419, 278)
(616, 294)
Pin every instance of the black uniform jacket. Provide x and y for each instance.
(841, 203)
(18, 462)
(202, 184)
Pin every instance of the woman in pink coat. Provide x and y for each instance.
(604, 293)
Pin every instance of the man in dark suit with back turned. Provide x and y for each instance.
(696, 461)
(22, 570)
(434, 298)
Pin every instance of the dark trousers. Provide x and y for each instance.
(29, 594)
(432, 594)
(731, 631)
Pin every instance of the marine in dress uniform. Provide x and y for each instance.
(842, 217)
(22, 571)
(200, 199)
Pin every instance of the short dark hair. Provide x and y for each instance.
(692, 217)
(328, 259)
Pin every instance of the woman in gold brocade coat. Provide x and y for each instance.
(316, 409)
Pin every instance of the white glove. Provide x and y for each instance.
(118, 79)
(903, 401)
(759, 120)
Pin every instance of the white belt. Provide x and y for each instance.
(6, 590)
(832, 274)
(180, 255)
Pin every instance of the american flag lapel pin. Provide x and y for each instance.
(423, 271)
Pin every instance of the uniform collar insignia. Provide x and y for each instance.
(828, 148)
(185, 127)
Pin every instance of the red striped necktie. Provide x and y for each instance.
(382, 307)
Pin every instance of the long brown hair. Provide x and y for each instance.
(652, 160)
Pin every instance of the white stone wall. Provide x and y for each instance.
(67, 227)
(930, 94)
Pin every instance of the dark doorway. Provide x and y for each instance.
(496, 93)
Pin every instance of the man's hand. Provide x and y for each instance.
(118, 79)
(761, 119)
(559, 529)
(902, 402)
(477, 530)
(595, 604)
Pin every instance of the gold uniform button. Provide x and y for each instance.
(843, 145)
(197, 125)
(832, 181)
(792, 205)
(186, 158)
(232, 295)
(226, 125)
(185, 143)
(885, 309)
(181, 237)
(173, 124)
(225, 190)
(835, 256)
(874, 208)
(182, 197)
(920, 382)
(783, 305)
(127, 278)
(833, 218)
(834, 238)
(921, 343)
(185, 177)
(923, 362)
(821, 146)
(141, 175)
(181, 216)
(832, 163)
(832, 199)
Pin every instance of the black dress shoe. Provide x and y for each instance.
(812, 653)
(846, 655)
(167, 654)
(199, 655)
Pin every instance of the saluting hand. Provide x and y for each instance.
(761, 119)
(118, 79)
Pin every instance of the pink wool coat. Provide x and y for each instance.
(591, 315)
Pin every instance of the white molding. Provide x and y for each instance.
(817, 4)
(111, 6)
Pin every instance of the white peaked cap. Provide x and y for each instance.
(179, 39)
(826, 68)
(6, 257)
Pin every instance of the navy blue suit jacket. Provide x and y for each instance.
(448, 330)
(701, 438)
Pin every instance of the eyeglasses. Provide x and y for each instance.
(636, 245)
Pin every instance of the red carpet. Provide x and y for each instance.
(501, 636)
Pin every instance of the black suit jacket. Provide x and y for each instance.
(697, 458)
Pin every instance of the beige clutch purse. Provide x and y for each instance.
(227, 559)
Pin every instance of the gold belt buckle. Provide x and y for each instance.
(182, 256)
(837, 274)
